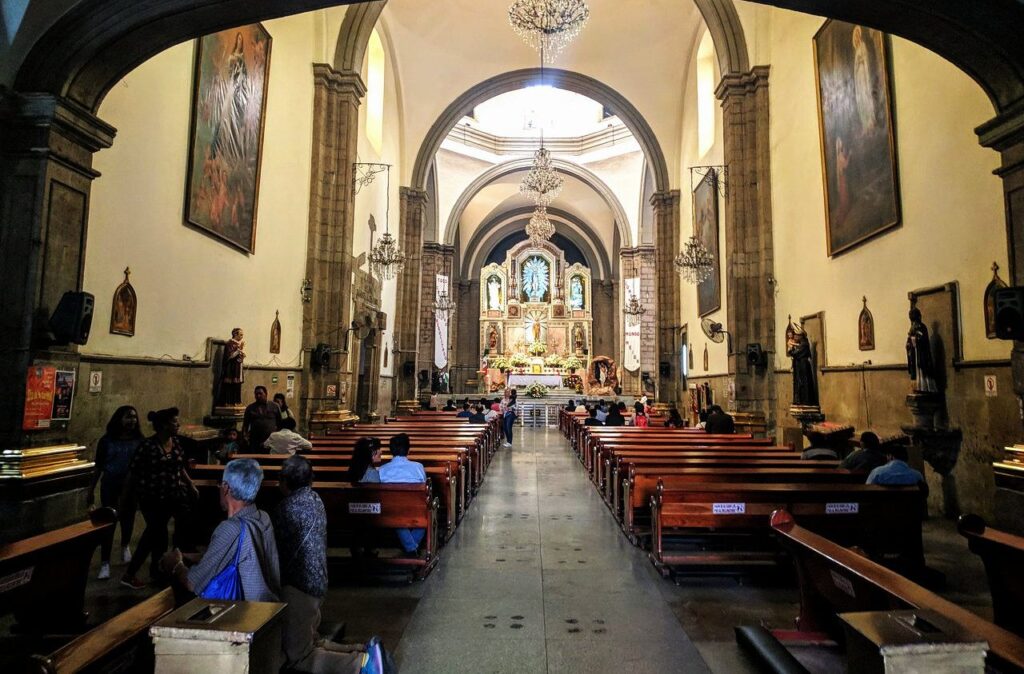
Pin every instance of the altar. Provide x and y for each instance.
(524, 380)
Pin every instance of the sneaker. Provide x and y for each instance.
(104, 573)
(506, 444)
(373, 660)
(133, 582)
(126, 554)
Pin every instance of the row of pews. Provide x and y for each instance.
(707, 503)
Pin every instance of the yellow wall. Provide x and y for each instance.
(953, 226)
(191, 286)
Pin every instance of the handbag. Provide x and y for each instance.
(228, 583)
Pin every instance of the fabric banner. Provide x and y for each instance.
(631, 358)
(440, 324)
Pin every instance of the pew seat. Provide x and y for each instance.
(1003, 556)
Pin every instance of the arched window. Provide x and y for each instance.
(705, 94)
(375, 92)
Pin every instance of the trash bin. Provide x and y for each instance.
(207, 635)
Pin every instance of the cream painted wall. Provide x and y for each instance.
(191, 286)
(718, 357)
(624, 176)
(953, 224)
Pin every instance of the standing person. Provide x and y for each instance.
(509, 414)
(435, 402)
(262, 417)
(286, 412)
(162, 488)
(400, 470)
(114, 453)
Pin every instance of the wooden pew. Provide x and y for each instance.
(885, 521)
(421, 440)
(121, 644)
(1003, 556)
(836, 580)
(609, 455)
(43, 578)
(356, 514)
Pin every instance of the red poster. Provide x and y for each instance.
(39, 389)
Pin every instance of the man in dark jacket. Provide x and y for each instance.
(593, 420)
(868, 457)
(719, 421)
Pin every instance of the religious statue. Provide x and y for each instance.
(492, 340)
(798, 347)
(494, 294)
(231, 374)
(535, 279)
(577, 338)
(576, 294)
(919, 355)
(536, 331)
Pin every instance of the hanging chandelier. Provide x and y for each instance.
(543, 183)
(386, 258)
(444, 305)
(548, 25)
(695, 262)
(634, 310)
(540, 228)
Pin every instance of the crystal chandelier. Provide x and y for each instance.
(542, 183)
(695, 262)
(540, 228)
(548, 25)
(386, 259)
(444, 305)
(634, 310)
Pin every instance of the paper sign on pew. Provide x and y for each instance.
(364, 509)
(842, 508)
(728, 508)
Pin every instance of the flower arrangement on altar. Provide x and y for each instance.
(537, 349)
(574, 382)
(554, 360)
(572, 363)
(499, 363)
(518, 360)
(537, 390)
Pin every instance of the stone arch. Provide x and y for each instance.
(359, 23)
(499, 171)
(727, 33)
(563, 79)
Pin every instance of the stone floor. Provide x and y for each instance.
(539, 578)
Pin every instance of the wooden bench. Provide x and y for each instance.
(43, 578)
(727, 524)
(467, 457)
(421, 442)
(836, 580)
(121, 644)
(356, 515)
(1003, 556)
(601, 469)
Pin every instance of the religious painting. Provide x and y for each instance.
(866, 328)
(513, 311)
(706, 359)
(855, 121)
(228, 113)
(990, 301)
(123, 308)
(558, 310)
(275, 333)
(536, 279)
(705, 222)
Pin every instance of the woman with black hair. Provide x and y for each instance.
(365, 456)
(163, 489)
(675, 420)
(114, 453)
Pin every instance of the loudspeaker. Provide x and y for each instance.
(756, 356)
(321, 357)
(1010, 313)
(665, 369)
(72, 320)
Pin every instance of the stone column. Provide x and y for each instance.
(46, 177)
(749, 259)
(325, 320)
(410, 237)
(666, 227)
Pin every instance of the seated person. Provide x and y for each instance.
(896, 472)
(286, 440)
(675, 420)
(257, 559)
(228, 445)
(496, 405)
(593, 420)
(868, 457)
(300, 528)
(615, 417)
(478, 415)
(719, 421)
(450, 406)
(702, 420)
(602, 411)
(819, 454)
(581, 406)
(365, 458)
(490, 414)
(570, 406)
(400, 470)
(640, 419)
(465, 413)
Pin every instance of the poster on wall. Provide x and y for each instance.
(226, 137)
(39, 388)
(855, 121)
(63, 395)
(705, 222)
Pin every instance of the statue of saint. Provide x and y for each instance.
(798, 347)
(577, 338)
(231, 375)
(919, 355)
(576, 294)
(494, 294)
(536, 331)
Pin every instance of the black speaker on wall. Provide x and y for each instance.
(1010, 313)
(72, 320)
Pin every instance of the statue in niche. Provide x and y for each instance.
(576, 293)
(494, 294)
(577, 338)
(492, 340)
(919, 355)
(231, 374)
(798, 347)
(122, 313)
(275, 333)
(535, 279)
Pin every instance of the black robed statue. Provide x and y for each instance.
(798, 347)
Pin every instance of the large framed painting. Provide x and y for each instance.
(228, 111)
(858, 145)
(705, 223)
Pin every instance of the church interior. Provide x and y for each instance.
(699, 323)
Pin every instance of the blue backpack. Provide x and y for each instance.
(228, 583)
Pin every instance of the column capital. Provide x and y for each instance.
(741, 84)
(343, 82)
(665, 199)
(413, 195)
(40, 124)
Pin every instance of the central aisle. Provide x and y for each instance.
(538, 578)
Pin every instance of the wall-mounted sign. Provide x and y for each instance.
(991, 386)
(63, 395)
(39, 386)
(95, 381)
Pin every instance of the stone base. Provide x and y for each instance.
(806, 414)
(216, 420)
(924, 407)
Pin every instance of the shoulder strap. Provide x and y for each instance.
(241, 537)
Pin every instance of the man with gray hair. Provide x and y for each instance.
(257, 559)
